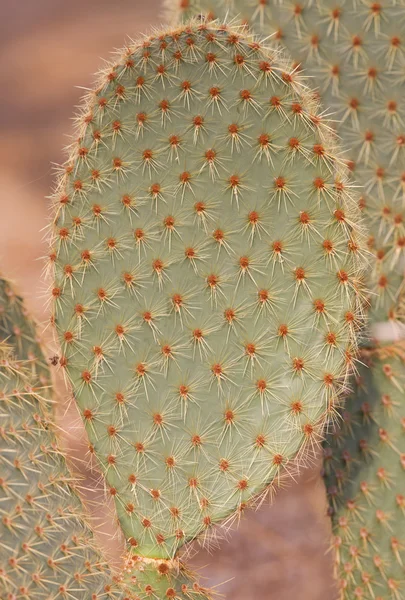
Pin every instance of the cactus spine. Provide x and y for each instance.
(207, 296)
(47, 547)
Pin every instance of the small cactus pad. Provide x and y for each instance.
(46, 547)
(353, 53)
(364, 474)
(161, 579)
(208, 258)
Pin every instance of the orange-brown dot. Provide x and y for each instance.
(119, 330)
(299, 273)
(217, 370)
(184, 391)
(112, 431)
(163, 568)
(218, 235)
(174, 511)
(330, 338)
(296, 108)
(166, 350)
(298, 364)
(170, 462)
(245, 95)
(304, 218)
(319, 306)
(280, 182)
(244, 262)
(158, 419)
(88, 414)
(250, 349)
(319, 183)
(141, 369)
(296, 407)
(260, 441)
(342, 276)
(139, 447)
(147, 316)
(294, 143)
(207, 521)
(86, 376)
(264, 65)
(223, 464)
(283, 330)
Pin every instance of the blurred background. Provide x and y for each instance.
(49, 50)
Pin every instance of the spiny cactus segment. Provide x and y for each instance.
(364, 475)
(46, 547)
(353, 53)
(207, 257)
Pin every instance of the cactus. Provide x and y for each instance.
(207, 293)
(47, 547)
(353, 53)
(364, 474)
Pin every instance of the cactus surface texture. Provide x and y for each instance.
(353, 53)
(207, 257)
(364, 474)
(47, 550)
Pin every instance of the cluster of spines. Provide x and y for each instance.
(181, 272)
(47, 547)
(354, 57)
(364, 474)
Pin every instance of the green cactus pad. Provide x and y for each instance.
(353, 53)
(47, 549)
(364, 475)
(208, 258)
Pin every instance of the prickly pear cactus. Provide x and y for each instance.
(364, 473)
(207, 258)
(47, 549)
(353, 53)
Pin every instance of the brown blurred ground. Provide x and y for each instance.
(47, 48)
